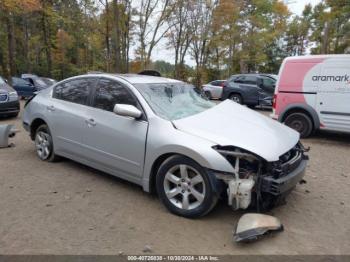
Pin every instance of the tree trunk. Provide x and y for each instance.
(107, 39)
(117, 36)
(11, 45)
(46, 34)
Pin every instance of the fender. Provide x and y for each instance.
(304, 107)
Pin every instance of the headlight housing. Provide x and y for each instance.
(13, 96)
(245, 163)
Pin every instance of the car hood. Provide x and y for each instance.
(6, 88)
(230, 124)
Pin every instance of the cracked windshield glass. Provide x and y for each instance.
(174, 101)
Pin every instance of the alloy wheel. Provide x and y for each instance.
(184, 187)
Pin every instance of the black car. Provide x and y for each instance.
(9, 103)
(250, 89)
(38, 82)
(23, 87)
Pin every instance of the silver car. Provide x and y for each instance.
(165, 136)
(213, 90)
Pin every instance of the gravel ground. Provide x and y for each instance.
(67, 208)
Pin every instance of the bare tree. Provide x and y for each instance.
(201, 20)
(152, 26)
(180, 34)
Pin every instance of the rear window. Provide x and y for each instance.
(75, 91)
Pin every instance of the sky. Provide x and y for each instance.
(161, 52)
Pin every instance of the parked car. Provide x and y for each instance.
(313, 92)
(23, 87)
(213, 90)
(9, 103)
(250, 89)
(36, 81)
(164, 135)
(48, 81)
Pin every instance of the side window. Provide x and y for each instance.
(239, 79)
(269, 82)
(250, 80)
(75, 91)
(109, 92)
(29, 80)
(19, 81)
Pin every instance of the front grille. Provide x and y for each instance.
(3, 97)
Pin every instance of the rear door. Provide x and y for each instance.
(248, 85)
(266, 90)
(333, 97)
(116, 143)
(68, 110)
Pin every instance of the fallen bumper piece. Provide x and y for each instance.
(251, 226)
(6, 132)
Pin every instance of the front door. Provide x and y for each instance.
(116, 143)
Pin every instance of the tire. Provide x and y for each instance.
(44, 144)
(207, 94)
(176, 189)
(301, 123)
(236, 98)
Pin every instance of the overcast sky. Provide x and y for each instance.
(162, 53)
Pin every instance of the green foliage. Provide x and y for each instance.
(62, 38)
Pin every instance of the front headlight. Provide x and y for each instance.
(13, 96)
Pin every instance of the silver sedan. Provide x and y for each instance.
(165, 136)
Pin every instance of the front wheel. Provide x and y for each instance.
(208, 94)
(301, 123)
(184, 187)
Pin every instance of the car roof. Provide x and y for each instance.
(139, 79)
(28, 76)
(255, 74)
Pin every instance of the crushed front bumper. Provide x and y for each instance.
(284, 184)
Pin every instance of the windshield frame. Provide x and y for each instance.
(141, 86)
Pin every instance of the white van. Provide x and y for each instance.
(313, 92)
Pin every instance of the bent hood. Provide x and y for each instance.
(230, 124)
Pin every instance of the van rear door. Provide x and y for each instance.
(333, 96)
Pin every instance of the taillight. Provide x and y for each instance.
(274, 100)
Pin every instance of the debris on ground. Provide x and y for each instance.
(147, 249)
(251, 226)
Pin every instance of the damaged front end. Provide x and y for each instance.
(256, 182)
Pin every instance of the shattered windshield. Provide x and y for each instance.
(174, 100)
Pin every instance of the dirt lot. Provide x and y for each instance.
(66, 208)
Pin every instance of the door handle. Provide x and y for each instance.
(90, 122)
(50, 108)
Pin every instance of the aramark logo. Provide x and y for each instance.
(344, 78)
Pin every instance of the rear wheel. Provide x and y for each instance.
(44, 144)
(236, 98)
(207, 94)
(184, 188)
(301, 123)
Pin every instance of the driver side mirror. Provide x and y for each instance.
(260, 83)
(127, 110)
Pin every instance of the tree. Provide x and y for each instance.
(152, 20)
